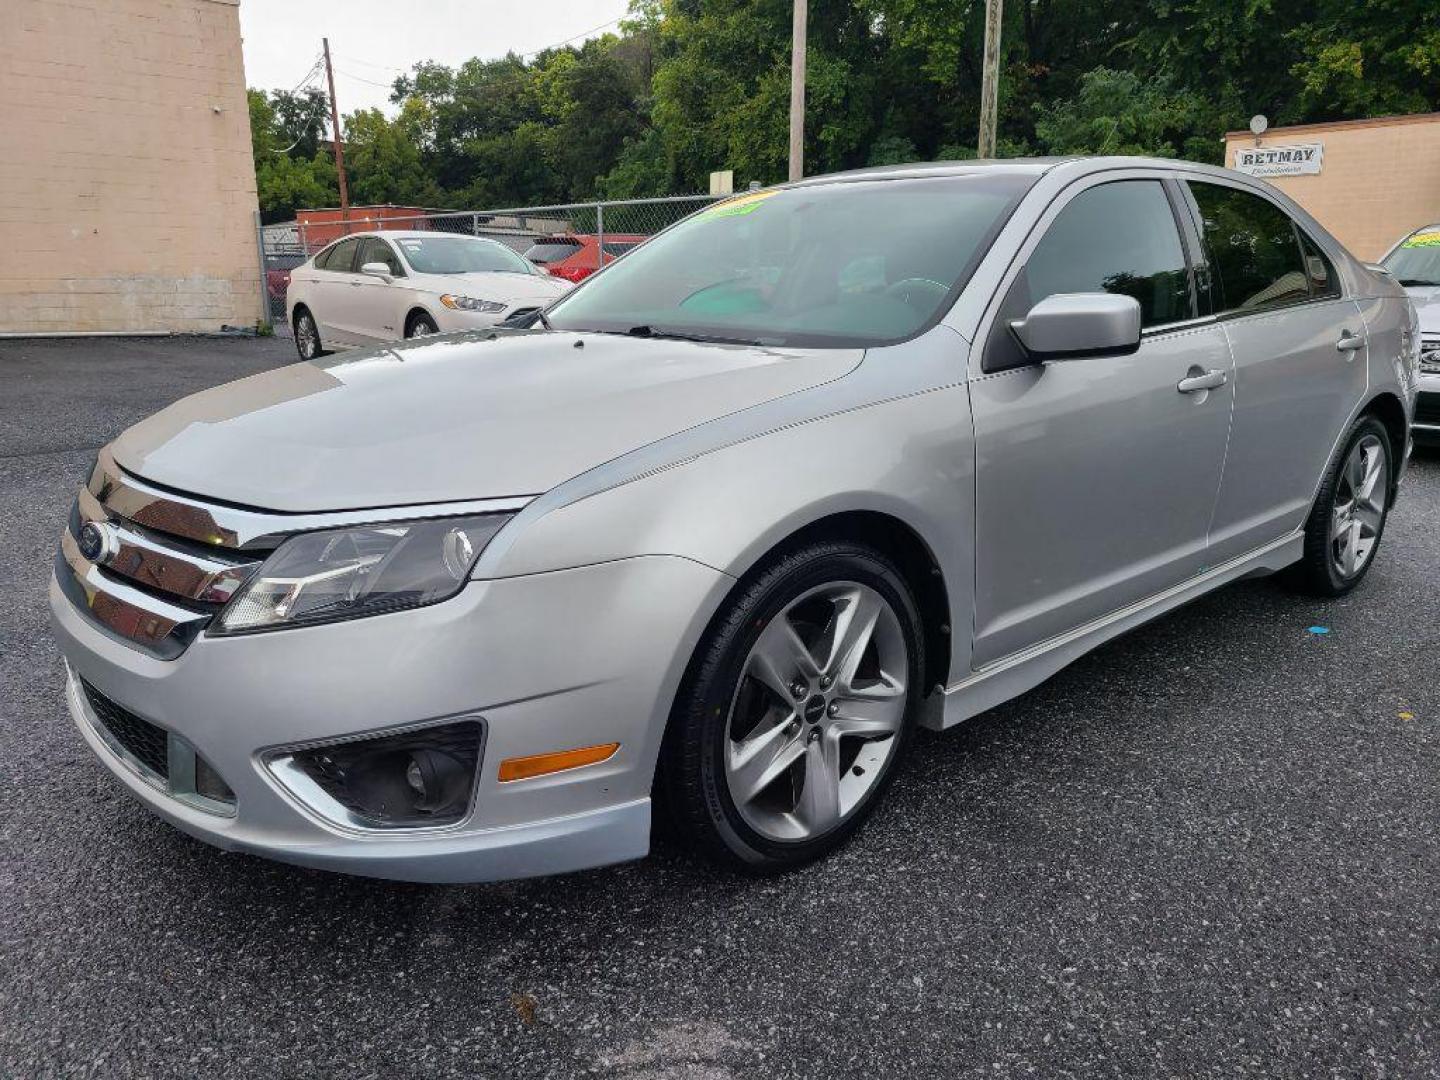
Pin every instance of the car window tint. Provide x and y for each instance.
(1254, 251)
(341, 257)
(549, 251)
(1116, 238)
(1318, 268)
(381, 252)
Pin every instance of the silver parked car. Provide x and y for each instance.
(817, 465)
(1415, 263)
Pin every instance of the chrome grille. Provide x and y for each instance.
(160, 566)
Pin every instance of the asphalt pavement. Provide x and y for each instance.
(1208, 849)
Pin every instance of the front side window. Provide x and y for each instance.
(461, 255)
(1254, 248)
(1416, 262)
(553, 250)
(844, 264)
(1117, 238)
(378, 251)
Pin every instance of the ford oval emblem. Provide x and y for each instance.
(96, 541)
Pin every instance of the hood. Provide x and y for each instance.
(467, 416)
(1426, 299)
(509, 288)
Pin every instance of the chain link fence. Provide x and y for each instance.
(570, 241)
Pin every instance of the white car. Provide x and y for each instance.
(375, 287)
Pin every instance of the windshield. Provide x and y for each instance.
(461, 255)
(1417, 260)
(862, 262)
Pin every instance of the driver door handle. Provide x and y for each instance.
(1209, 380)
(1349, 342)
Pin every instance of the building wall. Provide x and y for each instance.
(1380, 178)
(127, 190)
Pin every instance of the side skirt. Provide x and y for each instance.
(1009, 677)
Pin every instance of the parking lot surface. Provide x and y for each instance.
(1207, 849)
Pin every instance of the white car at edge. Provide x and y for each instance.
(369, 288)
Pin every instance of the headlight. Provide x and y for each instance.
(469, 303)
(363, 570)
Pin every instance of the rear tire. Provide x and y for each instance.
(307, 336)
(1342, 534)
(796, 710)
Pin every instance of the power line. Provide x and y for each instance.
(577, 37)
(361, 78)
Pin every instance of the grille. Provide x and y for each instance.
(144, 741)
(1427, 409)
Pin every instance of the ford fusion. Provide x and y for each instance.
(376, 287)
(711, 538)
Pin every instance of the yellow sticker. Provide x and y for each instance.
(745, 204)
(1423, 239)
(1407, 716)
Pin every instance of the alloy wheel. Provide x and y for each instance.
(1359, 508)
(818, 711)
(307, 337)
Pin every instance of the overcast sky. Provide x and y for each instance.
(372, 41)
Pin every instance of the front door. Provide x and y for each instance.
(1096, 478)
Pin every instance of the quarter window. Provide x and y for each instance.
(1254, 250)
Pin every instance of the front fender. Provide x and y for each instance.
(909, 457)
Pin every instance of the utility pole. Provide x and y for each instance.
(797, 90)
(339, 142)
(990, 79)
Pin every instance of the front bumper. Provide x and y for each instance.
(1426, 426)
(549, 661)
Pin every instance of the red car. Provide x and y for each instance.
(575, 256)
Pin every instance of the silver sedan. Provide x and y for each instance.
(818, 465)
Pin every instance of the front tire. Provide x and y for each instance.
(307, 336)
(420, 325)
(797, 708)
(1342, 534)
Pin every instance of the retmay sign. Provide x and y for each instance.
(1301, 159)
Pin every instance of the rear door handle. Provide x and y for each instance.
(1349, 342)
(1207, 380)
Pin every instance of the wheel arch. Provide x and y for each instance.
(903, 544)
(1387, 408)
(414, 310)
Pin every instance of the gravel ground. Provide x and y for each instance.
(1207, 849)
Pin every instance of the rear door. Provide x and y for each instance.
(334, 272)
(1300, 362)
(1096, 477)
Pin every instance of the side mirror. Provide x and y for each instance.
(379, 270)
(1070, 325)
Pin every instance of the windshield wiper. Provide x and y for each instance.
(647, 331)
(543, 319)
(1416, 282)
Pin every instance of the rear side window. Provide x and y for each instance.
(340, 257)
(1254, 248)
(1116, 238)
(552, 251)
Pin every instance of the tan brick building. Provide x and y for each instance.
(127, 191)
(1368, 181)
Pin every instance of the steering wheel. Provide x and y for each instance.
(912, 289)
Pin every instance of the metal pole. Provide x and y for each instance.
(797, 90)
(265, 318)
(339, 141)
(599, 235)
(990, 79)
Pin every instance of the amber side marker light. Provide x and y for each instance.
(527, 768)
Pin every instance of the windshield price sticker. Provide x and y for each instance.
(1423, 240)
(745, 204)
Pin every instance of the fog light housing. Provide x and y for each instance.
(419, 778)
